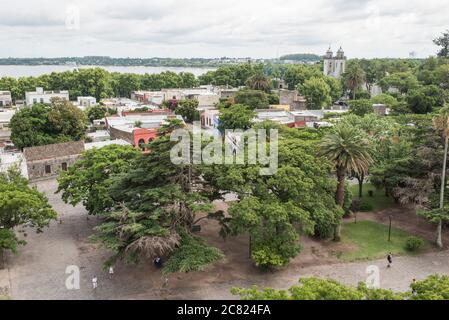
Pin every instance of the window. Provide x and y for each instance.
(64, 166)
(42, 100)
(47, 169)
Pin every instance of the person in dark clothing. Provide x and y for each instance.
(158, 262)
(390, 259)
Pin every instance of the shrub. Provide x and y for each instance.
(414, 243)
(366, 207)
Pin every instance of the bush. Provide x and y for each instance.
(366, 207)
(414, 243)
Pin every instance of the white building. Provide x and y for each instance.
(334, 66)
(86, 102)
(99, 135)
(5, 99)
(41, 96)
(13, 159)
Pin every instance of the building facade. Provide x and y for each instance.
(86, 102)
(47, 161)
(5, 99)
(41, 96)
(334, 66)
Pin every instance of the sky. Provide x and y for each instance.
(211, 28)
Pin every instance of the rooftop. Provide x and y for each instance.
(102, 144)
(54, 150)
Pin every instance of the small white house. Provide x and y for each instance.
(86, 102)
(5, 99)
(41, 96)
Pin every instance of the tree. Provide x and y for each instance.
(21, 207)
(275, 210)
(443, 42)
(237, 116)
(317, 93)
(46, 124)
(354, 78)
(297, 74)
(188, 109)
(349, 150)
(441, 124)
(259, 82)
(361, 107)
(96, 113)
(89, 179)
(335, 86)
(402, 81)
(253, 99)
(156, 203)
(424, 99)
(385, 99)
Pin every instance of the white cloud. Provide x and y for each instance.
(210, 28)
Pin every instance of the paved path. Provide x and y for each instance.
(38, 271)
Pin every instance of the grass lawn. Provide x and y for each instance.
(378, 202)
(371, 241)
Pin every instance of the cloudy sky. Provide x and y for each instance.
(212, 28)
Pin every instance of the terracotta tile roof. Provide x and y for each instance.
(53, 150)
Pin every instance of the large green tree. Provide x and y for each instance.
(188, 109)
(348, 149)
(317, 92)
(443, 42)
(21, 208)
(88, 180)
(275, 210)
(157, 203)
(237, 116)
(253, 99)
(45, 124)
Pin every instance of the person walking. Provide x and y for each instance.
(94, 283)
(158, 262)
(390, 259)
(111, 272)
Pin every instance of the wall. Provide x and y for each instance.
(36, 169)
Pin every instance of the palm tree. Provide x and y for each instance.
(441, 123)
(354, 78)
(349, 150)
(259, 82)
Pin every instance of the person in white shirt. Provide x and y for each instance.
(111, 272)
(94, 282)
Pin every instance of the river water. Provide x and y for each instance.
(34, 71)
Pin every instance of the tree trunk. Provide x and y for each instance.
(439, 240)
(2, 259)
(340, 199)
(361, 179)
